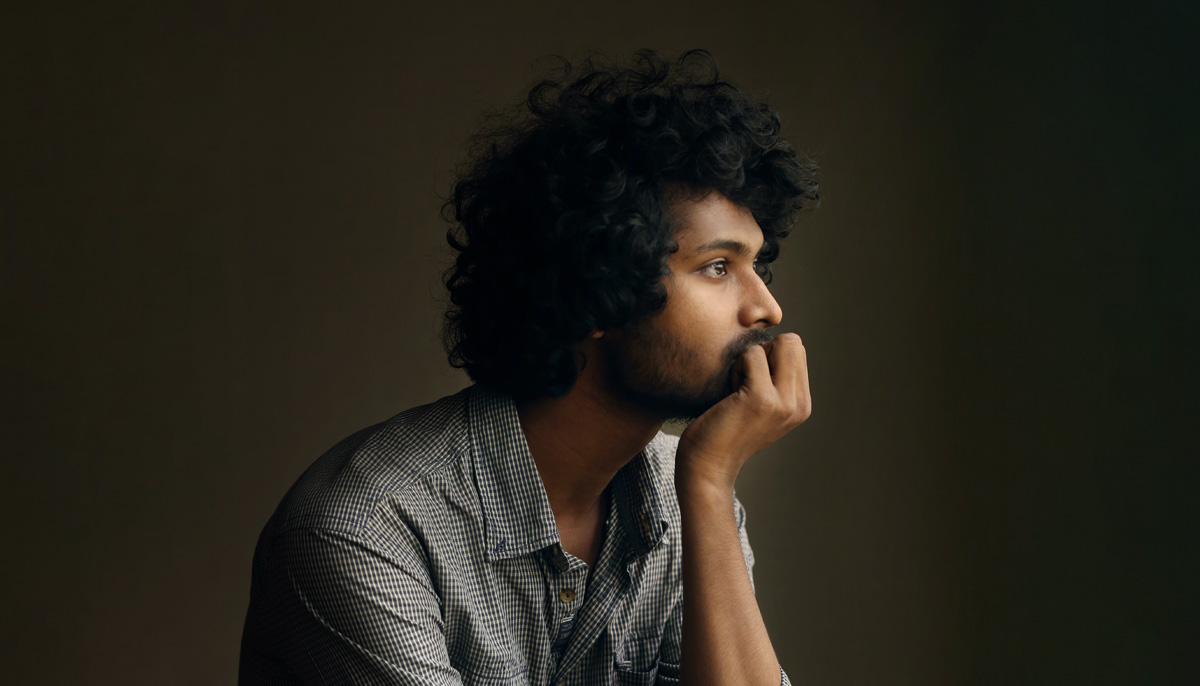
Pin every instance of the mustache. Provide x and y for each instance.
(742, 343)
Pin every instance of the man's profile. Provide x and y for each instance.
(613, 245)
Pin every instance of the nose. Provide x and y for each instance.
(760, 306)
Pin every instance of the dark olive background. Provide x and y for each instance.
(222, 254)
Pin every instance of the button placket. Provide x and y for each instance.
(570, 589)
(569, 579)
(566, 585)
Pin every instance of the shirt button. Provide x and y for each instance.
(567, 595)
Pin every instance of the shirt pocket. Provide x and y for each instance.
(494, 677)
(483, 659)
(638, 662)
(668, 673)
(627, 676)
(492, 670)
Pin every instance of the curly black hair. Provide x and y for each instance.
(560, 214)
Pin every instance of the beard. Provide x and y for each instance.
(661, 374)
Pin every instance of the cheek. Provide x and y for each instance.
(700, 318)
(707, 320)
(706, 338)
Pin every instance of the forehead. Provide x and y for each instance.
(699, 221)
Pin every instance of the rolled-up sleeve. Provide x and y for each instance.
(336, 608)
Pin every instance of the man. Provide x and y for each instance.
(613, 245)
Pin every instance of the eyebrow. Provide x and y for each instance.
(725, 244)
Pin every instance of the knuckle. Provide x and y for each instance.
(781, 411)
(803, 412)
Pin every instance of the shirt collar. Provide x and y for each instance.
(518, 518)
(637, 493)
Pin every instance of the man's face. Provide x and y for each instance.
(679, 362)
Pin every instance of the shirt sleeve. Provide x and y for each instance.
(739, 514)
(673, 635)
(343, 610)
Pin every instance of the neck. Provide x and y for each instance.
(580, 441)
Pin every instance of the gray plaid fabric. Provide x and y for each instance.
(423, 551)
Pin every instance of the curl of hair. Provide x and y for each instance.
(560, 219)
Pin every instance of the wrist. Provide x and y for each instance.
(691, 482)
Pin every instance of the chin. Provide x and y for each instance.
(686, 407)
(658, 384)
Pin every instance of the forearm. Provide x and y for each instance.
(724, 638)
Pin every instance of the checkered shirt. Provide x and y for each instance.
(423, 550)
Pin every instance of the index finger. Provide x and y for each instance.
(785, 359)
(755, 372)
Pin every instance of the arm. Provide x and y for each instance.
(340, 609)
(724, 638)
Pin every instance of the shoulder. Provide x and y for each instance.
(343, 488)
(661, 454)
(660, 463)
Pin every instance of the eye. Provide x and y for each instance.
(716, 269)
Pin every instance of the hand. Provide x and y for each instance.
(772, 399)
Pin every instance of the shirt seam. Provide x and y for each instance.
(355, 525)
